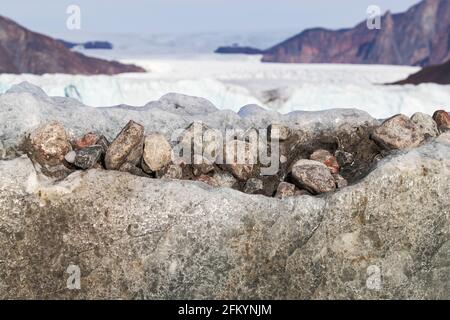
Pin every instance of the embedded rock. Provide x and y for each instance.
(442, 119)
(47, 147)
(313, 176)
(426, 125)
(208, 180)
(157, 152)
(340, 181)
(285, 190)
(225, 179)
(327, 159)
(398, 132)
(126, 145)
(254, 186)
(278, 132)
(87, 157)
(240, 158)
(87, 140)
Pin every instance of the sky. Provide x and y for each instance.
(191, 16)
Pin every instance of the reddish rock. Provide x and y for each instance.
(442, 119)
(87, 140)
(47, 147)
(285, 190)
(327, 159)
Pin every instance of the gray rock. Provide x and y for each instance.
(87, 157)
(398, 132)
(426, 125)
(313, 176)
(125, 148)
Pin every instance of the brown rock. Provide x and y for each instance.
(87, 140)
(313, 176)
(398, 132)
(442, 119)
(126, 144)
(285, 190)
(327, 159)
(157, 152)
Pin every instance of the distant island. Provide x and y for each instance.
(237, 49)
(88, 45)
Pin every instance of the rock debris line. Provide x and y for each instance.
(357, 209)
(326, 167)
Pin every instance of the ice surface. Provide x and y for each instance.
(230, 82)
(22, 110)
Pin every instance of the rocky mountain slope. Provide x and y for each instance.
(435, 74)
(386, 236)
(24, 51)
(420, 36)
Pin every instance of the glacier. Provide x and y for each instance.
(230, 82)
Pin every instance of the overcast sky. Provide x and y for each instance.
(170, 16)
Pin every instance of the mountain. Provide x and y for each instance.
(436, 74)
(24, 51)
(419, 36)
